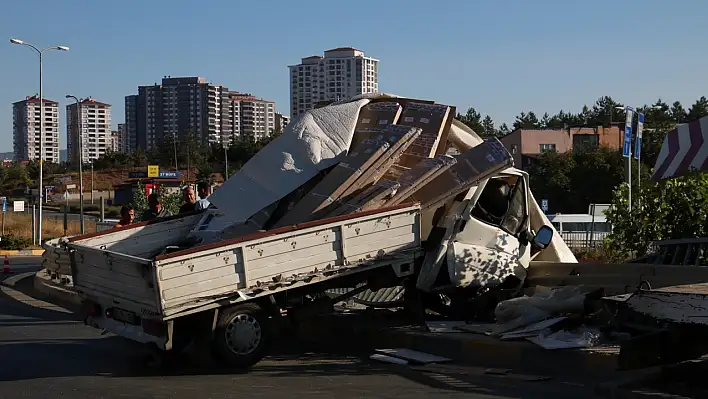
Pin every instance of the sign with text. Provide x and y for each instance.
(18, 206)
(4, 205)
(638, 139)
(627, 147)
(163, 174)
(70, 186)
(153, 171)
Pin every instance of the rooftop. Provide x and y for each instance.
(35, 99)
(342, 49)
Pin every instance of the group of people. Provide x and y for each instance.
(157, 211)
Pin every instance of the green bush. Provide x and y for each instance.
(11, 242)
(672, 209)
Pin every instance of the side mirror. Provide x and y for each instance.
(543, 237)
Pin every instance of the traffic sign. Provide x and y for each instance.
(544, 205)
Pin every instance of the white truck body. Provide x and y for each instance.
(123, 272)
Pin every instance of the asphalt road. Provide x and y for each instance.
(46, 352)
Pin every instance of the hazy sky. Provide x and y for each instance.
(502, 57)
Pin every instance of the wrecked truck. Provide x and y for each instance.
(355, 196)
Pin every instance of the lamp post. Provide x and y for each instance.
(41, 126)
(81, 160)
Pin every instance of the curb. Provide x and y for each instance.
(22, 252)
(13, 280)
(44, 285)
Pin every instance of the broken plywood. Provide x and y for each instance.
(373, 116)
(420, 175)
(399, 138)
(336, 182)
(472, 166)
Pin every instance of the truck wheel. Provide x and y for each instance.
(242, 335)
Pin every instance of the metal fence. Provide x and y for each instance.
(583, 239)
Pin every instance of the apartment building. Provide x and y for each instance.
(89, 137)
(26, 121)
(526, 144)
(131, 122)
(244, 115)
(119, 142)
(190, 105)
(342, 73)
(281, 121)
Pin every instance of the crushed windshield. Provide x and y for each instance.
(502, 204)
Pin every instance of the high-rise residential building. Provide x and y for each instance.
(243, 115)
(342, 73)
(93, 132)
(189, 105)
(119, 142)
(131, 122)
(26, 122)
(281, 121)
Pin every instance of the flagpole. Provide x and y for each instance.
(638, 153)
(628, 151)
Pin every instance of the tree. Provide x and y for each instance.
(527, 121)
(671, 209)
(503, 130)
(698, 110)
(678, 113)
(488, 129)
(473, 120)
(571, 181)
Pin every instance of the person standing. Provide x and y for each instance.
(204, 190)
(127, 215)
(155, 209)
(190, 201)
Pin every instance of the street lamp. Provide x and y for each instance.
(41, 125)
(81, 159)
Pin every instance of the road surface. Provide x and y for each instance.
(47, 352)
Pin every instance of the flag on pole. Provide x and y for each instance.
(627, 147)
(638, 142)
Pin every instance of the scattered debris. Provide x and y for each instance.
(413, 356)
(388, 359)
(445, 326)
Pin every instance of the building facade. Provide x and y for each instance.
(119, 139)
(90, 137)
(281, 121)
(526, 144)
(189, 105)
(342, 73)
(244, 115)
(26, 121)
(131, 122)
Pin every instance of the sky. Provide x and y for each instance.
(501, 57)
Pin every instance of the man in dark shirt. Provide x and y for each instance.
(156, 210)
(190, 201)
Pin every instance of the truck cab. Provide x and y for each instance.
(489, 239)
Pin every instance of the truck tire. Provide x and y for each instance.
(242, 336)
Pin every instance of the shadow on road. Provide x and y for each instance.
(61, 346)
